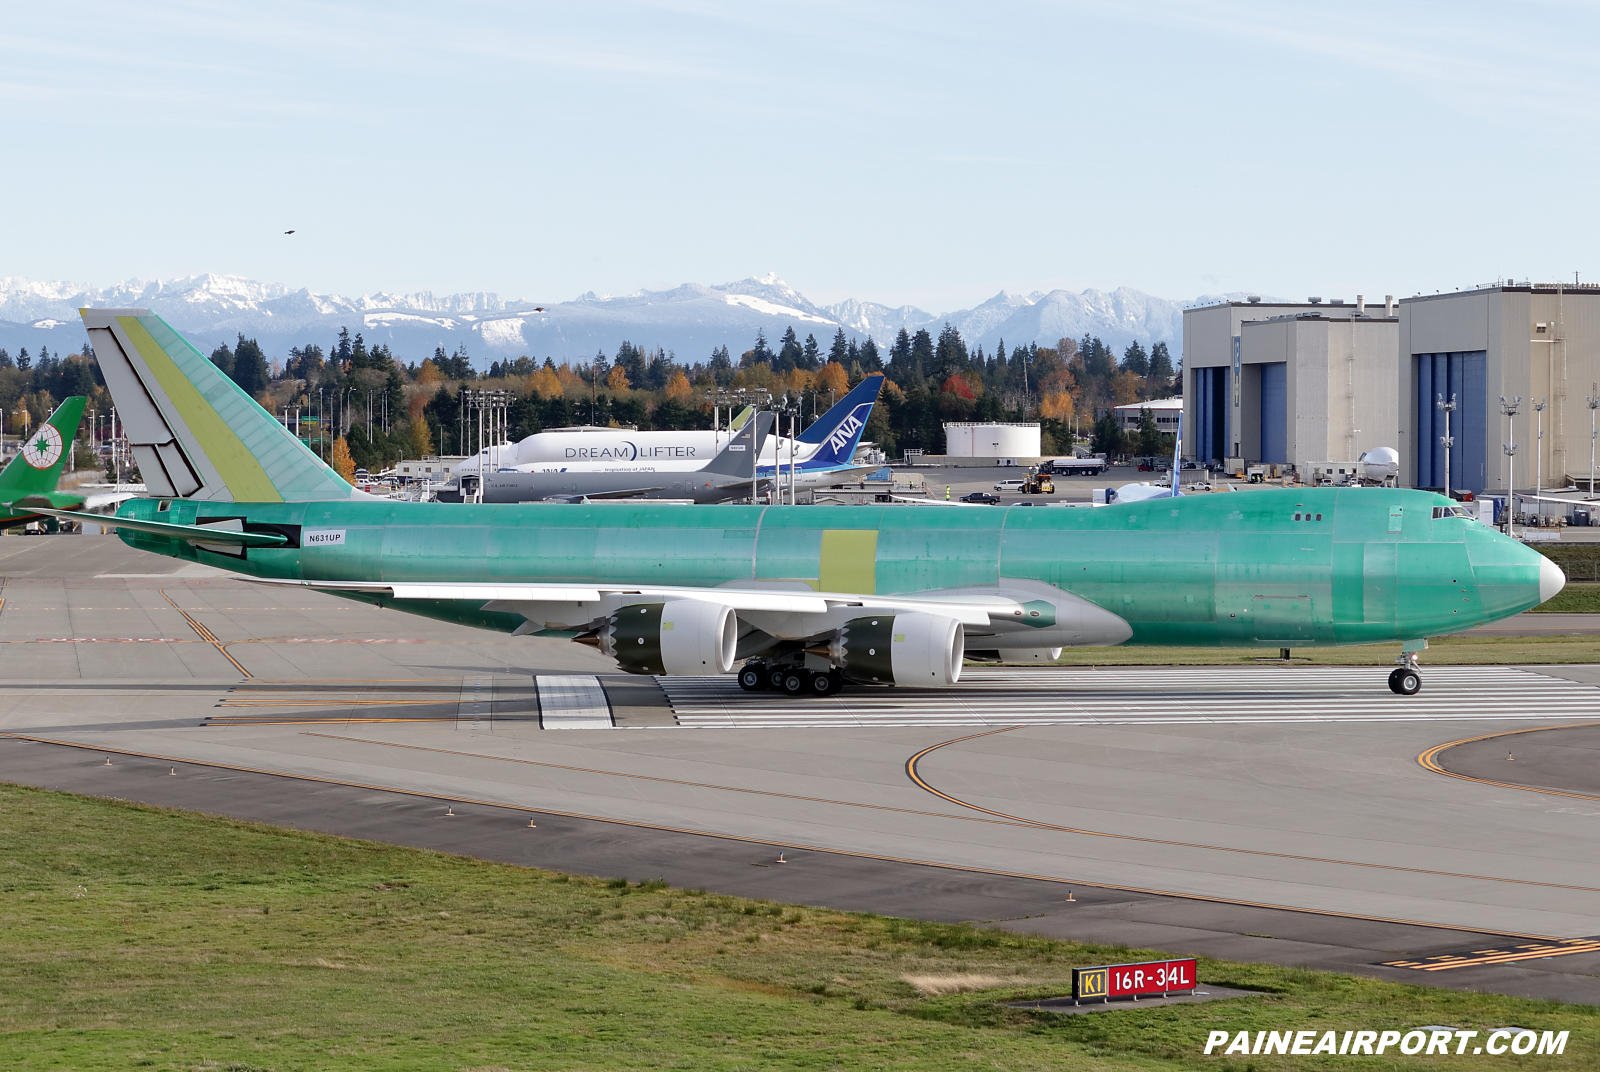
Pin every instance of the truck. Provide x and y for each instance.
(1073, 467)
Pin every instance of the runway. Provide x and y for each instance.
(1190, 810)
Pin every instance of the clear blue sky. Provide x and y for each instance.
(919, 152)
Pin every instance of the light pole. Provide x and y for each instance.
(1594, 403)
(1510, 411)
(1538, 449)
(1447, 440)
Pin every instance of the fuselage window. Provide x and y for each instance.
(1297, 517)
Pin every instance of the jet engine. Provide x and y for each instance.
(914, 650)
(681, 636)
(1039, 656)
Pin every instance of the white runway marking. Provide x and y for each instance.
(1147, 696)
(574, 702)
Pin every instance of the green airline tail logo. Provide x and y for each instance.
(44, 447)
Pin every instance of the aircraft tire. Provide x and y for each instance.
(753, 677)
(825, 684)
(1405, 682)
(775, 676)
(795, 682)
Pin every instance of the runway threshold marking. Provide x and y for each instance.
(916, 776)
(1480, 957)
(1429, 760)
(205, 634)
(796, 845)
(1143, 696)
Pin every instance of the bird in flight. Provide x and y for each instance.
(288, 232)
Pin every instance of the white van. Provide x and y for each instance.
(1009, 485)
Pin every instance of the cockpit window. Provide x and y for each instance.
(1451, 511)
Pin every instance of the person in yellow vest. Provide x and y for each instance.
(947, 493)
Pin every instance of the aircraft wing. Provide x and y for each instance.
(618, 493)
(975, 611)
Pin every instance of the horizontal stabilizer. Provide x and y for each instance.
(193, 533)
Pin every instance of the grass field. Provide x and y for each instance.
(1579, 597)
(1445, 651)
(142, 938)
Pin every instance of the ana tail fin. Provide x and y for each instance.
(194, 432)
(839, 430)
(37, 466)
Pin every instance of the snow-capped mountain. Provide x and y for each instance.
(690, 320)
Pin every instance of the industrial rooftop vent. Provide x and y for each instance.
(1335, 301)
(1314, 301)
(1253, 299)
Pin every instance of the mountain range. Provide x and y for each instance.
(690, 320)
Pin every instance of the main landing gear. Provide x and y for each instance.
(1406, 679)
(789, 679)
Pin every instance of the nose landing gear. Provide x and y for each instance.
(1406, 680)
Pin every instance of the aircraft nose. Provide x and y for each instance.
(1551, 579)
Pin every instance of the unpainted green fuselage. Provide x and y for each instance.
(1363, 565)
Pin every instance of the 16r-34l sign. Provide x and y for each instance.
(1133, 980)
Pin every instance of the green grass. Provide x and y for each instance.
(1444, 651)
(141, 938)
(1577, 598)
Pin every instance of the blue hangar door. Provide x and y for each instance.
(1465, 375)
(1211, 414)
(1275, 413)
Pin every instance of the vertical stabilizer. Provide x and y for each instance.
(37, 466)
(194, 432)
(838, 431)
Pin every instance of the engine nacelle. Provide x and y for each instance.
(1028, 656)
(682, 636)
(913, 650)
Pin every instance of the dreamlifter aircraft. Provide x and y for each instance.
(810, 596)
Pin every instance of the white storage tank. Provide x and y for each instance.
(970, 440)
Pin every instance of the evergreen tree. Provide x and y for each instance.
(870, 361)
(812, 353)
(1000, 354)
(1134, 359)
(5, 359)
(222, 357)
(1150, 439)
(840, 350)
(631, 361)
(720, 359)
(950, 354)
(790, 353)
(922, 353)
(24, 362)
(761, 353)
(900, 352)
(341, 349)
(1160, 364)
(1108, 438)
(250, 367)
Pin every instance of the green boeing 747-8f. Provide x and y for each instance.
(808, 597)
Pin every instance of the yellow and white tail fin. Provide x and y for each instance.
(194, 432)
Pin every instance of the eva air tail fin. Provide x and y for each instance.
(194, 432)
(37, 466)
